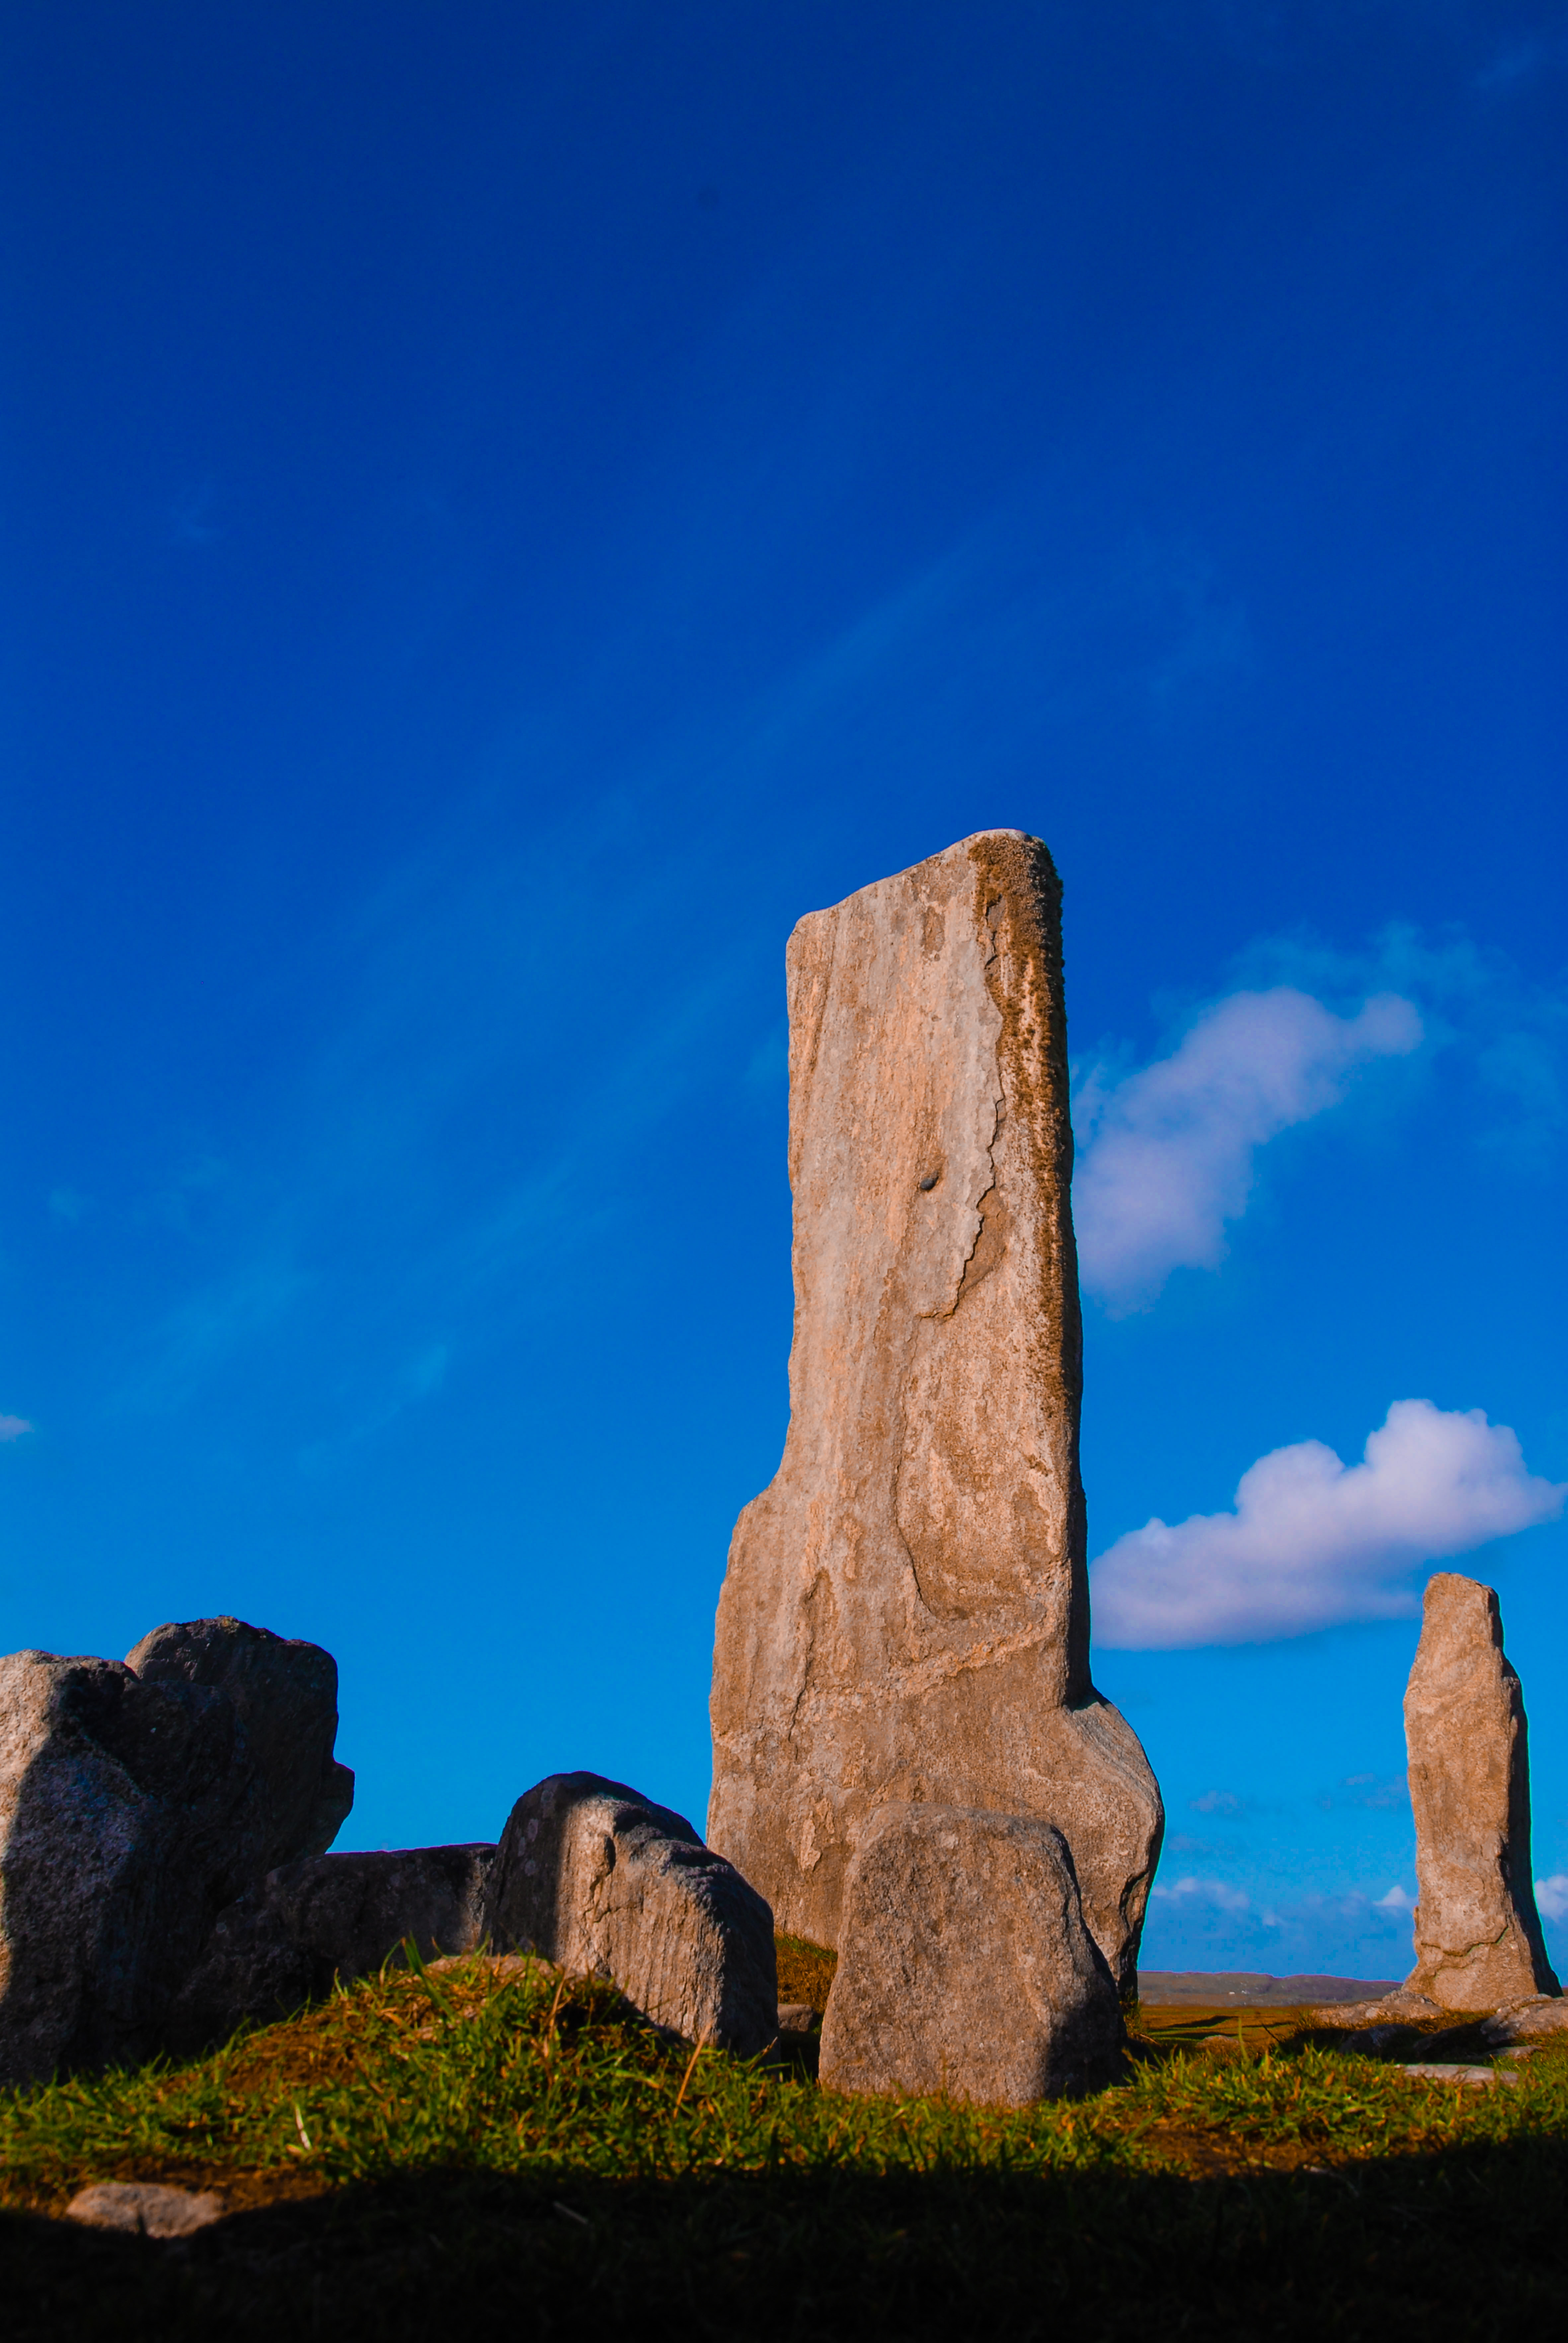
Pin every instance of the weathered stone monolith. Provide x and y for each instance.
(905, 1618)
(1478, 1942)
(964, 1964)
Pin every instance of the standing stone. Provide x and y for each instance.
(1478, 1942)
(329, 1916)
(905, 1618)
(593, 1876)
(133, 1808)
(964, 1964)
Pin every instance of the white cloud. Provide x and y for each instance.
(1397, 1900)
(1169, 1158)
(12, 1427)
(1312, 1542)
(1551, 1895)
(1204, 1891)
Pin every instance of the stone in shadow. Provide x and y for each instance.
(136, 1802)
(308, 1923)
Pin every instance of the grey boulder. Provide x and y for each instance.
(136, 1802)
(596, 1877)
(965, 1967)
(1534, 2020)
(330, 1916)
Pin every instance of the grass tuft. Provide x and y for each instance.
(493, 2136)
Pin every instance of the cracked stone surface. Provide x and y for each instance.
(905, 1615)
(1478, 1940)
(965, 1965)
(596, 1877)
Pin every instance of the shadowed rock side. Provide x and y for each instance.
(329, 1916)
(132, 1810)
(1478, 1942)
(594, 1876)
(965, 1967)
(285, 1693)
(905, 1616)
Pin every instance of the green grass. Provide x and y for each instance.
(464, 2143)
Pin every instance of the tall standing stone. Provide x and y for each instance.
(1478, 1942)
(905, 1616)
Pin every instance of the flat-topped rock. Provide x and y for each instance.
(1478, 1941)
(329, 1917)
(146, 2208)
(905, 1615)
(965, 1967)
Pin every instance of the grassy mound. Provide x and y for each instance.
(491, 2139)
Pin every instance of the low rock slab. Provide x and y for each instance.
(1527, 2021)
(965, 1967)
(329, 1916)
(145, 2207)
(593, 1876)
(1390, 2008)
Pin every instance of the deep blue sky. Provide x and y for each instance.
(507, 507)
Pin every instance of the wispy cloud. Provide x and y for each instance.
(1170, 1147)
(1215, 1892)
(1312, 1542)
(1168, 1151)
(1551, 1895)
(12, 1427)
(1398, 1901)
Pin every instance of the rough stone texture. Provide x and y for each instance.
(1388, 2006)
(965, 1964)
(145, 2207)
(905, 1615)
(1478, 1941)
(1527, 2021)
(594, 1876)
(285, 1692)
(133, 1808)
(329, 1916)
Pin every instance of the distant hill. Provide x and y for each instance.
(1168, 1987)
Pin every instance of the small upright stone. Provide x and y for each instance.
(965, 1967)
(905, 1618)
(596, 1877)
(1478, 1940)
